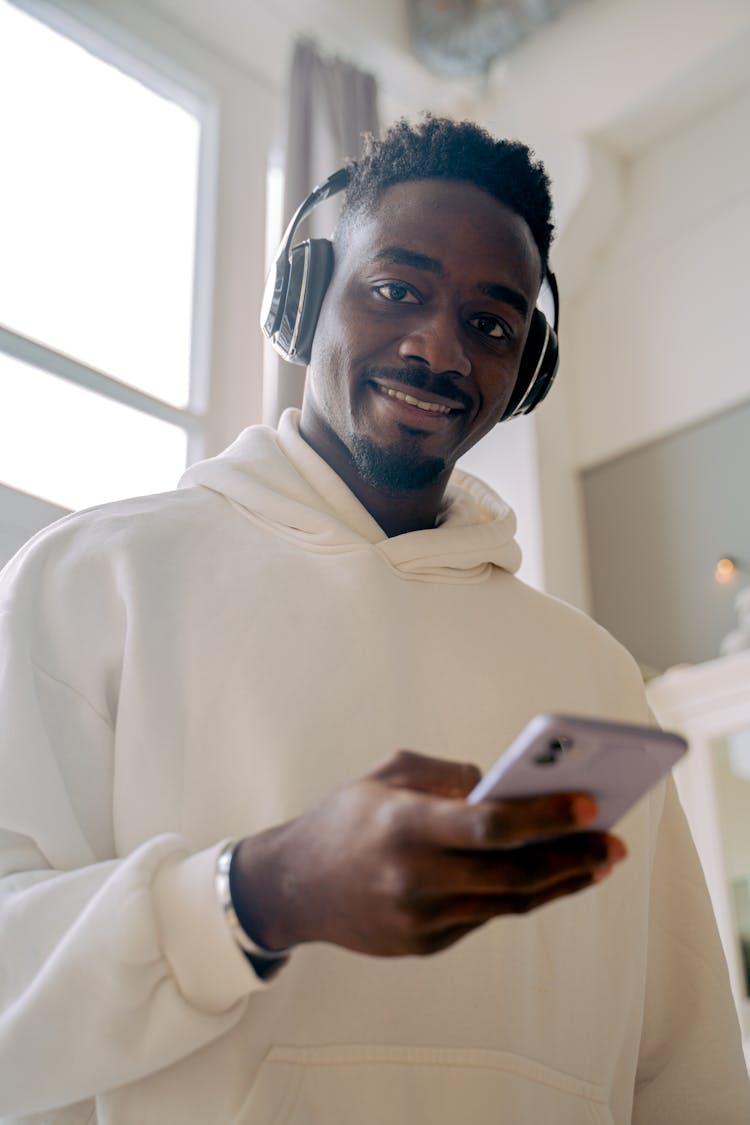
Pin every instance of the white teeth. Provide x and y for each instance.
(432, 407)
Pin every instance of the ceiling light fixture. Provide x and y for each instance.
(456, 38)
(726, 570)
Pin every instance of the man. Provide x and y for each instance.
(306, 649)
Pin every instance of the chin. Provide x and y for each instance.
(394, 470)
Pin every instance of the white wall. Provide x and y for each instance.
(507, 460)
(653, 279)
(656, 335)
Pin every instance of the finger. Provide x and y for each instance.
(406, 769)
(442, 876)
(461, 915)
(491, 825)
(526, 903)
(527, 870)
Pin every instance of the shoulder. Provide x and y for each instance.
(80, 549)
(575, 659)
(76, 593)
(542, 610)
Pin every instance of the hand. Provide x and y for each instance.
(399, 863)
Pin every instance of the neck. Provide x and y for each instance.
(396, 512)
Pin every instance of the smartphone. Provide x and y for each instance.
(615, 762)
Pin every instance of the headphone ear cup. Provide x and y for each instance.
(537, 369)
(310, 269)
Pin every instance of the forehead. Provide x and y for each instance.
(454, 222)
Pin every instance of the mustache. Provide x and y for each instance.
(421, 380)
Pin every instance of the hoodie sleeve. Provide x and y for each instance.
(125, 960)
(692, 1067)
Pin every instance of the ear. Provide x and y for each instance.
(310, 270)
(298, 279)
(539, 362)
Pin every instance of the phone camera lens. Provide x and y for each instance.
(546, 758)
(555, 747)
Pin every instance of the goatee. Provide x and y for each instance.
(392, 470)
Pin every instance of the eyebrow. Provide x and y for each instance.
(504, 293)
(400, 256)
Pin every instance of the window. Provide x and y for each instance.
(100, 392)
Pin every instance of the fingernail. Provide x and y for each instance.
(616, 850)
(584, 810)
(601, 873)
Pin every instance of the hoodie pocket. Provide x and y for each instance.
(371, 1085)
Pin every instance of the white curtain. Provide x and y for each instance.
(330, 105)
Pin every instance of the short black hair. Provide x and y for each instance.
(439, 148)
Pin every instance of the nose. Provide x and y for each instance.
(436, 341)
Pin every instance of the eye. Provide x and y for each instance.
(490, 326)
(397, 292)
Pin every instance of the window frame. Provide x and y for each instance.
(113, 45)
(237, 109)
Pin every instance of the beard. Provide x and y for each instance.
(403, 468)
(393, 470)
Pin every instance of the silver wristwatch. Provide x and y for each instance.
(265, 962)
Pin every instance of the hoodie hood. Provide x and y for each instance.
(275, 477)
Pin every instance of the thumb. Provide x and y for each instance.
(405, 769)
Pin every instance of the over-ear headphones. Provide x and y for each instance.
(297, 283)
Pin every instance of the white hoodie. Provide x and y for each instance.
(178, 670)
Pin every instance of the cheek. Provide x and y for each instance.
(321, 345)
(340, 353)
(495, 388)
(328, 380)
(350, 329)
(332, 344)
(481, 428)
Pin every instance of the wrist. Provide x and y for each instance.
(265, 961)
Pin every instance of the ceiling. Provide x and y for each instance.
(624, 68)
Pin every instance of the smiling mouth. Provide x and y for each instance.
(420, 403)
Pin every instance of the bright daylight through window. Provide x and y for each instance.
(98, 203)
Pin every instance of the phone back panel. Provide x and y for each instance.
(615, 762)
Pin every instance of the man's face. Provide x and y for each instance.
(421, 333)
